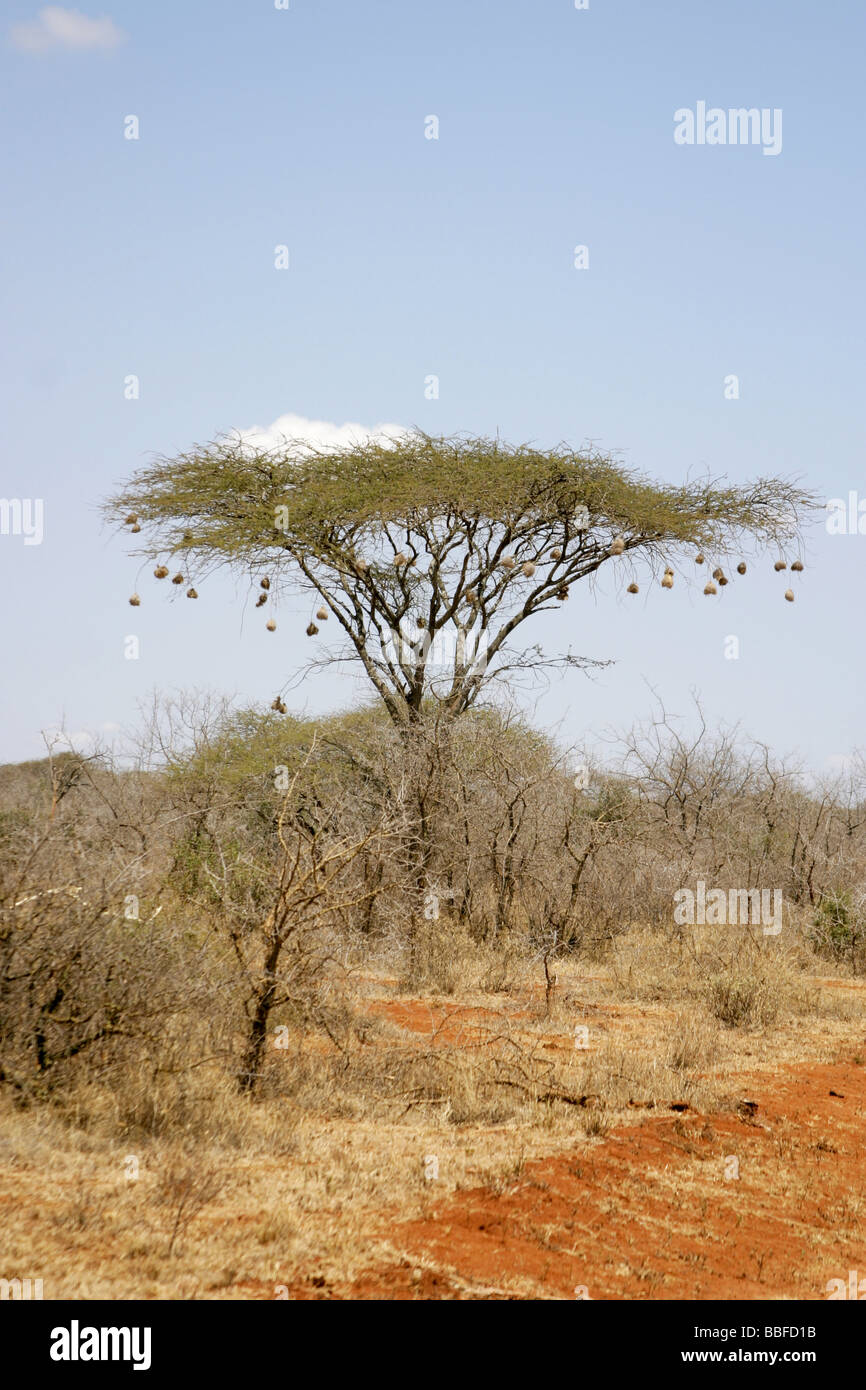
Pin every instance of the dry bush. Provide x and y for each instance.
(619, 1078)
(92, 971)
(448, 959)
(470, 1068)
(744, 999)
(269, 858)
(691, 1042)
(184, 1189)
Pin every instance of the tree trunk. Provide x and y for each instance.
(263, 1000)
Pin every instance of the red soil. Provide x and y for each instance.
(442, 1024)
(649, 1213)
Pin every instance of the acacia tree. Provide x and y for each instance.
(432, 554)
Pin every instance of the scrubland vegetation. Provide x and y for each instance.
(271, 986)
(309, 945)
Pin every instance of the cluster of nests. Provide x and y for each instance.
(719, 579)
(312, 629)
(508, 563)
(528, 568)
(265, 585)
(402, 561)
(161, 571)
(719, 575)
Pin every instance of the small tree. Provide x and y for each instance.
(275, 897)
(432, 555)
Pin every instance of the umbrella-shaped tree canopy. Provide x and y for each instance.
(430, 553)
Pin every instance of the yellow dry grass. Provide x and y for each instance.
(236, 1198)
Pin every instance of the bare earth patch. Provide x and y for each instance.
(650, 1213)
(702, 1163)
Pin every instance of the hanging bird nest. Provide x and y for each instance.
(723, 579)
(700, 559)
(797, 567)
(710, 588)
(617, 547)
(741, 567)
(191, 593)
(667, 581)
(718, 572)
(135, 601)
(177, 579)
(265, 583)
(529, 569)
(160, 572)
(556, 553)
(400, 559)
(262, 598)
(562, 593)
(322, 615)
(632, 589)
(134, 530)
(420, 622)
(271, 625)
(131, 519)
(311, 629)
(278, 705)
(780, 565)
(789, 595)
(508, 562)
(361, 566)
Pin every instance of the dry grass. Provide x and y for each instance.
(180, 1188)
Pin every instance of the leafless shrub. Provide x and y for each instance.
(179, 919)
(185, 1189)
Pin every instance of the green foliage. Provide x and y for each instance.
(239, 761)
(834, 928)
(612, 803)
(248, 746)
(220, 499)
(417, 539)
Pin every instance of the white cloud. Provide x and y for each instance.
(76, 738)
(59, 28)
(320, 433)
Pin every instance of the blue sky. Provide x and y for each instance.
(411, 257)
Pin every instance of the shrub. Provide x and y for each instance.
(742, 998)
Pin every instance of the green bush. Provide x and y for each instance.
(834, 927)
